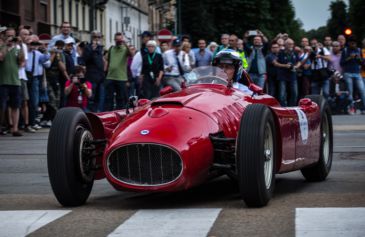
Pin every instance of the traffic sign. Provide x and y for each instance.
(164, 35)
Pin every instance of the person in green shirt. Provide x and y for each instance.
(117, 79)
(10, 59)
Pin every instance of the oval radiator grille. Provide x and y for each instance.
(145, 164)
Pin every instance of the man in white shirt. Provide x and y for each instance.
(173, 68)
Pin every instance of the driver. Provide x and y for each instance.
(231, 63)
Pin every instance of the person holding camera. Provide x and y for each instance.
(256, 49)
(320, 58)
(287, 63)
(351, 61)
(37, 57)
(117, 77)
(78, 90)
(94, 62)
(11, 58)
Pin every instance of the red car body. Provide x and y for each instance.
(182, 139)
(184, 121)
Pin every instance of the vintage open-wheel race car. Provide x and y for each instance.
(182, 139)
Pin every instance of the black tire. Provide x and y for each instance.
(70, 183)
(256, 149)
(320, 170)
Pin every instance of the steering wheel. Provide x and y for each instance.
(210, 80)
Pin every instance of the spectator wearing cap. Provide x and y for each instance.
(172, 67)
(145, 37)
(56, 79)
(152, 71)
(136, 65)
(10, 59)
(203, 57)
(94, 62)
(351, 59)
(65, 35)
(35, 69)
(69, 60)
(117, 77)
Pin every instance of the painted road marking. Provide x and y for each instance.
(22, 223)
(324, 222)
(168, 222)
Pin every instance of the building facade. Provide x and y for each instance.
(33, 13)
(127, 16)
(83, 15)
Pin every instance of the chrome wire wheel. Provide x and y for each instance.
(326, 139)
(268, 155)
(86, 162)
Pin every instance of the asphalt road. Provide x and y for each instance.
(24, 185)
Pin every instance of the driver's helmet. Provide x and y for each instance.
(229, 56)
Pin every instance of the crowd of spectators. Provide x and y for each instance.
(39, 75)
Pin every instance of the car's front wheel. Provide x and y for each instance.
(71, 166)
(256, 155)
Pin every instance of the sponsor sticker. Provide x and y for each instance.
(303, 125)
(145, 132)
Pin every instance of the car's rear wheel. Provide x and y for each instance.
(320, 170)
(256, 155)
(71, 167)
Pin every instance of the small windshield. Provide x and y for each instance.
(206, 75)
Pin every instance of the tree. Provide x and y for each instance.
(283, 20)
(356, 11)
(339, 19)
(209, 18)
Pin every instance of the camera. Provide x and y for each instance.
(82, 80)
(14, 39)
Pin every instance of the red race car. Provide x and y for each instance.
(184, 138)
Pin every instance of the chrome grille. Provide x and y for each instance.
(145, 164)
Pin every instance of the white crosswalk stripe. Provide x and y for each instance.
(22, 223)
(168, 222)
(323, 222)
(192, 222)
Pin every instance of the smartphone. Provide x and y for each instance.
(252, 32)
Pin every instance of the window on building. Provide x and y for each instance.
(83, 16)
(29, 10)
(9, 5)
(110, 30)
(55, 7)
(77, 14)
(101, 22)
(70, 11)
(63, 10)
(43, 11)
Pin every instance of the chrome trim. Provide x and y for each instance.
(144, 185)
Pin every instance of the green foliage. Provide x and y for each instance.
(208, 19)
(319, 33)
(356, 15)
(339, 19)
